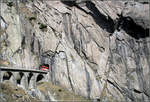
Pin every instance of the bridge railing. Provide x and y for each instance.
(21, 69)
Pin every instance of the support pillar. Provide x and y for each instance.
(24, 80)
(32, 82)
(1, 75)
(14, 80)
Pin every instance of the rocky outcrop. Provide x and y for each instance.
(96, 49)
(12, 93)
(138, 12)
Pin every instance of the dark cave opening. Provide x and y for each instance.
(131, 28)
(47, 65)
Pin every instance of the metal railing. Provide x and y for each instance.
(19, 69)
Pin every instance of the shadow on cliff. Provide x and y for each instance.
(69, 3)
(104, 22)
(131, 28)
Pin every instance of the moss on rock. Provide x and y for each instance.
(60, 93)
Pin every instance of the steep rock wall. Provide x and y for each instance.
(97, 49)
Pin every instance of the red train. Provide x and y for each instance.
(44, 67)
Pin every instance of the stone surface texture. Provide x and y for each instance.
(98, 49)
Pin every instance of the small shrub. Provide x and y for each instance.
(98, 100)
(102, 49)
(59, 90)
(98, 77)
(43, 26)
(10, 4)
(32, 18)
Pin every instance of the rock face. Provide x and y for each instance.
(97, 49)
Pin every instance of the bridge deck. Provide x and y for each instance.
(22, 70)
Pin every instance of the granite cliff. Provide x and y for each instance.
(98, 49)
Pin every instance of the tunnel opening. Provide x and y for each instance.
(40, 77)
(7, 76)
(130, 27)
(20, 77)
